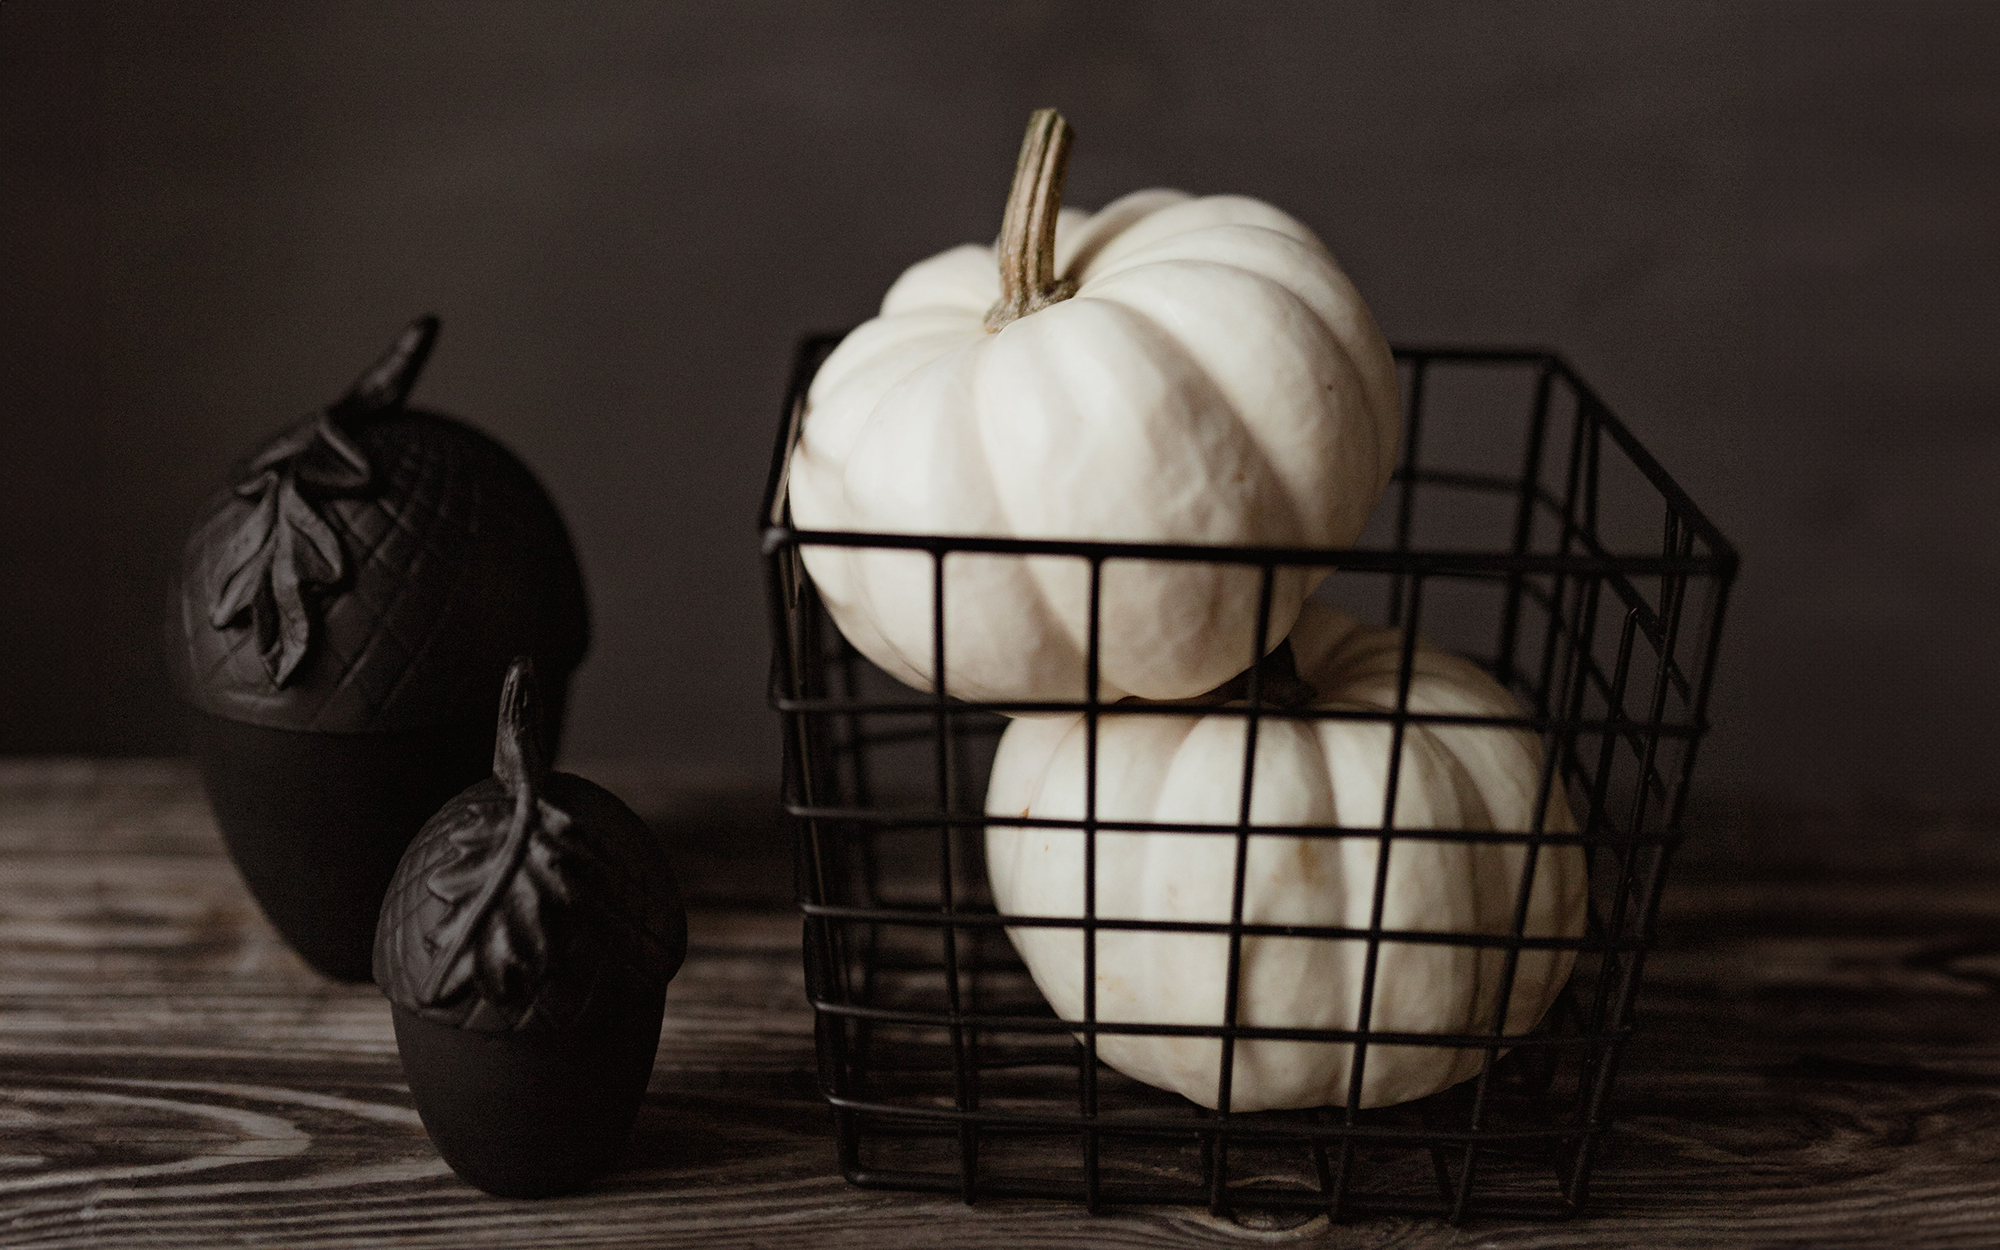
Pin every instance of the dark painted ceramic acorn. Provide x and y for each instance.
(346, 610)
(525, 947)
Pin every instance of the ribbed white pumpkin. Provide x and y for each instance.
(1214, 378)
(1189, 769)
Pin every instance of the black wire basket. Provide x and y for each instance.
(1525, 529)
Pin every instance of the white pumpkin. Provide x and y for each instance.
(1189, 769)
(1213, 378)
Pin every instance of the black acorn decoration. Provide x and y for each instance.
(346, 610)
(525, 947)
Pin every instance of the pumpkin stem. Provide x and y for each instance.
(517, 745)
(1279, 684)
(1028, 281)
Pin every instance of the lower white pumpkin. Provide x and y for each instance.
(1188, 769)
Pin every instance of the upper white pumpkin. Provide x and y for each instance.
(1215, 378)
(1189, 769)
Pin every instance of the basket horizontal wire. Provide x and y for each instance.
(1595, 595)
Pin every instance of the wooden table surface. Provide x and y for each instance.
(1818, 1063)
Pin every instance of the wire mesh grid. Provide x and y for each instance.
(1579, 576)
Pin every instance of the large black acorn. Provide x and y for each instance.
(346, 610)
(525, 947)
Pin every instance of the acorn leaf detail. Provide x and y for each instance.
(283, 549)
(499, 891)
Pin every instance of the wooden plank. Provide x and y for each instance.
(1818, 1064)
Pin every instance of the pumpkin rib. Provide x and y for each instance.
(918, 457)
(1322, 514)
(1201, 213)
(952, 281)
(1080, 241)
(852, 385)
(1156, 618)
(1252, 422)
(1211, 411)
(1247, 247)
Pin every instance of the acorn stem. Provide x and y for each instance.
(520, 769)
(388, 381)
(1027, 250)
(517, 741)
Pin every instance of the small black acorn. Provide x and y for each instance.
(346, 609)
(525, 946)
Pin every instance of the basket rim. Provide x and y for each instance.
(1721, 561)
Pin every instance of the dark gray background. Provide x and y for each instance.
(1768, 232)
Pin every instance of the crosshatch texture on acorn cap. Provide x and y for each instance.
(457, 560)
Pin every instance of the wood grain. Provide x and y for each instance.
(1818, 1065)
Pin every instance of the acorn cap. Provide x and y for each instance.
(372, 569)
(528, 895)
